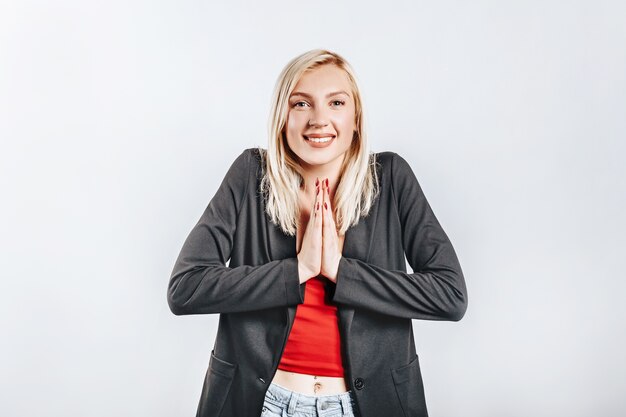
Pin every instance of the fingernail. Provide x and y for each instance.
(317, 190)
(317, 207)
(317, 181)
(326, 182)
(325, 205)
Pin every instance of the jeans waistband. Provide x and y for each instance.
(322, 403)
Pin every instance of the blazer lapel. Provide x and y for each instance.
(357, 245)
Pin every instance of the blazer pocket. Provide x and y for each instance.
(408, 383)
(217, 382)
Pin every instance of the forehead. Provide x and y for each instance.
(324, 79)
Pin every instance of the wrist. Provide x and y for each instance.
(304, 273)
(334, 271)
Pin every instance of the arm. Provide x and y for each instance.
(200, 282)
(435, 291)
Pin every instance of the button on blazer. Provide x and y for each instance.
(258, 292)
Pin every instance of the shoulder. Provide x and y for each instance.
(255, 156)
(243, 170)
(393, 164)
(248, 156)
(384, 158)
(247, 161)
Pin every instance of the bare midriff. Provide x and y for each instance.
(310, 384)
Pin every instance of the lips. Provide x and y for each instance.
(319, 137)
(318, 140)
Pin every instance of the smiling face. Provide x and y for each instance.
(321, 118)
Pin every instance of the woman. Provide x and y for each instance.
(316, 304)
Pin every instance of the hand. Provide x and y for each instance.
(319, 251)
(310, 255)
(331, 254)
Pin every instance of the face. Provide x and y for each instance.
(321, 119)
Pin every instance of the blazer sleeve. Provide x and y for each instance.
(436, 289)
(201, 283)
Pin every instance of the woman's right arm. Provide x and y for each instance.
(200, 282)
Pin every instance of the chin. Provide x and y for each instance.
(313, 160)
(318, 159)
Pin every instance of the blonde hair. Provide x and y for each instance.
(358, 183)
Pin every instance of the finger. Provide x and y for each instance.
(318, 205)
(316, 197)
(326, 197)
(314, 214)
(319, 195)
(323, 200)
(329, 222)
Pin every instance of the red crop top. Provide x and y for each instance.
(313, 346)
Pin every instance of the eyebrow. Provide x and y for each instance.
(334, 93)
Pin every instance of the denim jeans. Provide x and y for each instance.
(281, 402)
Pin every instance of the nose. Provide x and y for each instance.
(314, 123)
(318, 118)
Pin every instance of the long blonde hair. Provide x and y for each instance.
(358, 184)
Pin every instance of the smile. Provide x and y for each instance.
(315, 141)
(320, 140)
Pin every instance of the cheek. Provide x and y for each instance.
(347, 121)
(295, 121)
(292, 129)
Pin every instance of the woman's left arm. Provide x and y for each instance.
(435, 291)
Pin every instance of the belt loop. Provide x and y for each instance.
(345, 405)
(293, 401)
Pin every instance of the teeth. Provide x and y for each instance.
(320, 140)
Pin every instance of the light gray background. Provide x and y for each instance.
(119, 120)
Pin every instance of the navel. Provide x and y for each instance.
(317, 386)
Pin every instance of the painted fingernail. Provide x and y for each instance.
(325, 205)
(317, 181)
(326, 182)
(317, 190)
(317, 207)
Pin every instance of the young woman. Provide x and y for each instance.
(315, 303)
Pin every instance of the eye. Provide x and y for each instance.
(341, 102)
(297, 103)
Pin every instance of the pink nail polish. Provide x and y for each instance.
(325, 205)
(326, 182)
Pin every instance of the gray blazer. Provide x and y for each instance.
(258, 292)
